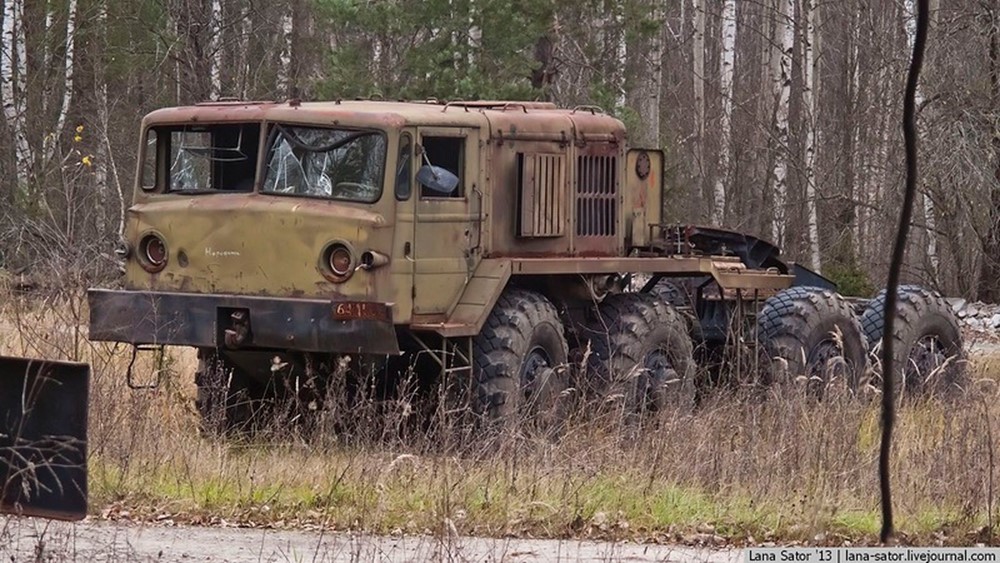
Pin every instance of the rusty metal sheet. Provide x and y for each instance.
(727, 271)
(644, 191)
(43, 438)
(478, 299)
(184, 319)
(381, 114)
(543, 195)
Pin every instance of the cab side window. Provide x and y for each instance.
(448, 153)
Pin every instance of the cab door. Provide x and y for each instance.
(444, 222)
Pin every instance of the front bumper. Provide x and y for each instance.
(187, 319)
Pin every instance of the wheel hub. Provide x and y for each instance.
(658, 372)
(534, 372)
(925, 358)
(658, 365)
(826, 363)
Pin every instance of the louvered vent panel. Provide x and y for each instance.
(596, 196)
(543, 195)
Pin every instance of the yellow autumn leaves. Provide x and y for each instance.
(87, 160)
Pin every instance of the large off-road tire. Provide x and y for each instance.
(674, 293)
(226, 401)
(640, 351)
(671, 292)
(520, 362)
(813, 333)
(927, 356)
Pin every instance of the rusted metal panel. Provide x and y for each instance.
(141, 317)
(259, 245)
(481, 293)
(43, 438)
(643, 192)
(543, 195)
(729, 272)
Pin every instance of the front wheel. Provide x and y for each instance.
(520, 361)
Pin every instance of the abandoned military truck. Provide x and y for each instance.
(504, 241)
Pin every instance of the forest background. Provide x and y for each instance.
(780, 118)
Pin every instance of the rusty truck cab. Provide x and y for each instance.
(265, 225)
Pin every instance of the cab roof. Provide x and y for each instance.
(493, 116)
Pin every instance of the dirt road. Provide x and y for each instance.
(39, 540)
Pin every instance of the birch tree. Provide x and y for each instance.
(52, 141)
(475, 34)
(285, 59)
(809, 64)
(854, 159)
(103, 153)
(215, 50)
(13, 75)
(781, 77)
(929, 218)
(620, 49)
(726, 64)
(243, 49)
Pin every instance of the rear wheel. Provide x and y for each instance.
(520, 361)
(641, 351)
(927, 343)
(813, 333)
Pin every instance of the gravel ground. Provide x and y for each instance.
(25, 539)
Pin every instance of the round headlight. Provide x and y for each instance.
(152, 253)
(340, 260)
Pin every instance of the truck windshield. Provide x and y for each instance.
(335, 163)
(201, 158)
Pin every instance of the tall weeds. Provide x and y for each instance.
(743, 466)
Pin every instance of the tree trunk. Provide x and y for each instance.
(698, 58)
(13, 65)
(544, 72)
(215, 50)
(645, 76)
(726, 64)
(102, 197)
(650, 107)
(243, 50)
(782, 84)
(52, 142)
(809, 64)
(475, 35)
(621, 52)
(854, 211)
(989, 276)
(285, 85)
(929, 218)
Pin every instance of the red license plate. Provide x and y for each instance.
(348, 310)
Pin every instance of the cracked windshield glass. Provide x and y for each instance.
(335, 163)
(211, 158)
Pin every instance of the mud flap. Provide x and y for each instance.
(43, 438)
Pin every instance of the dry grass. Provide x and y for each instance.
(739, 469)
